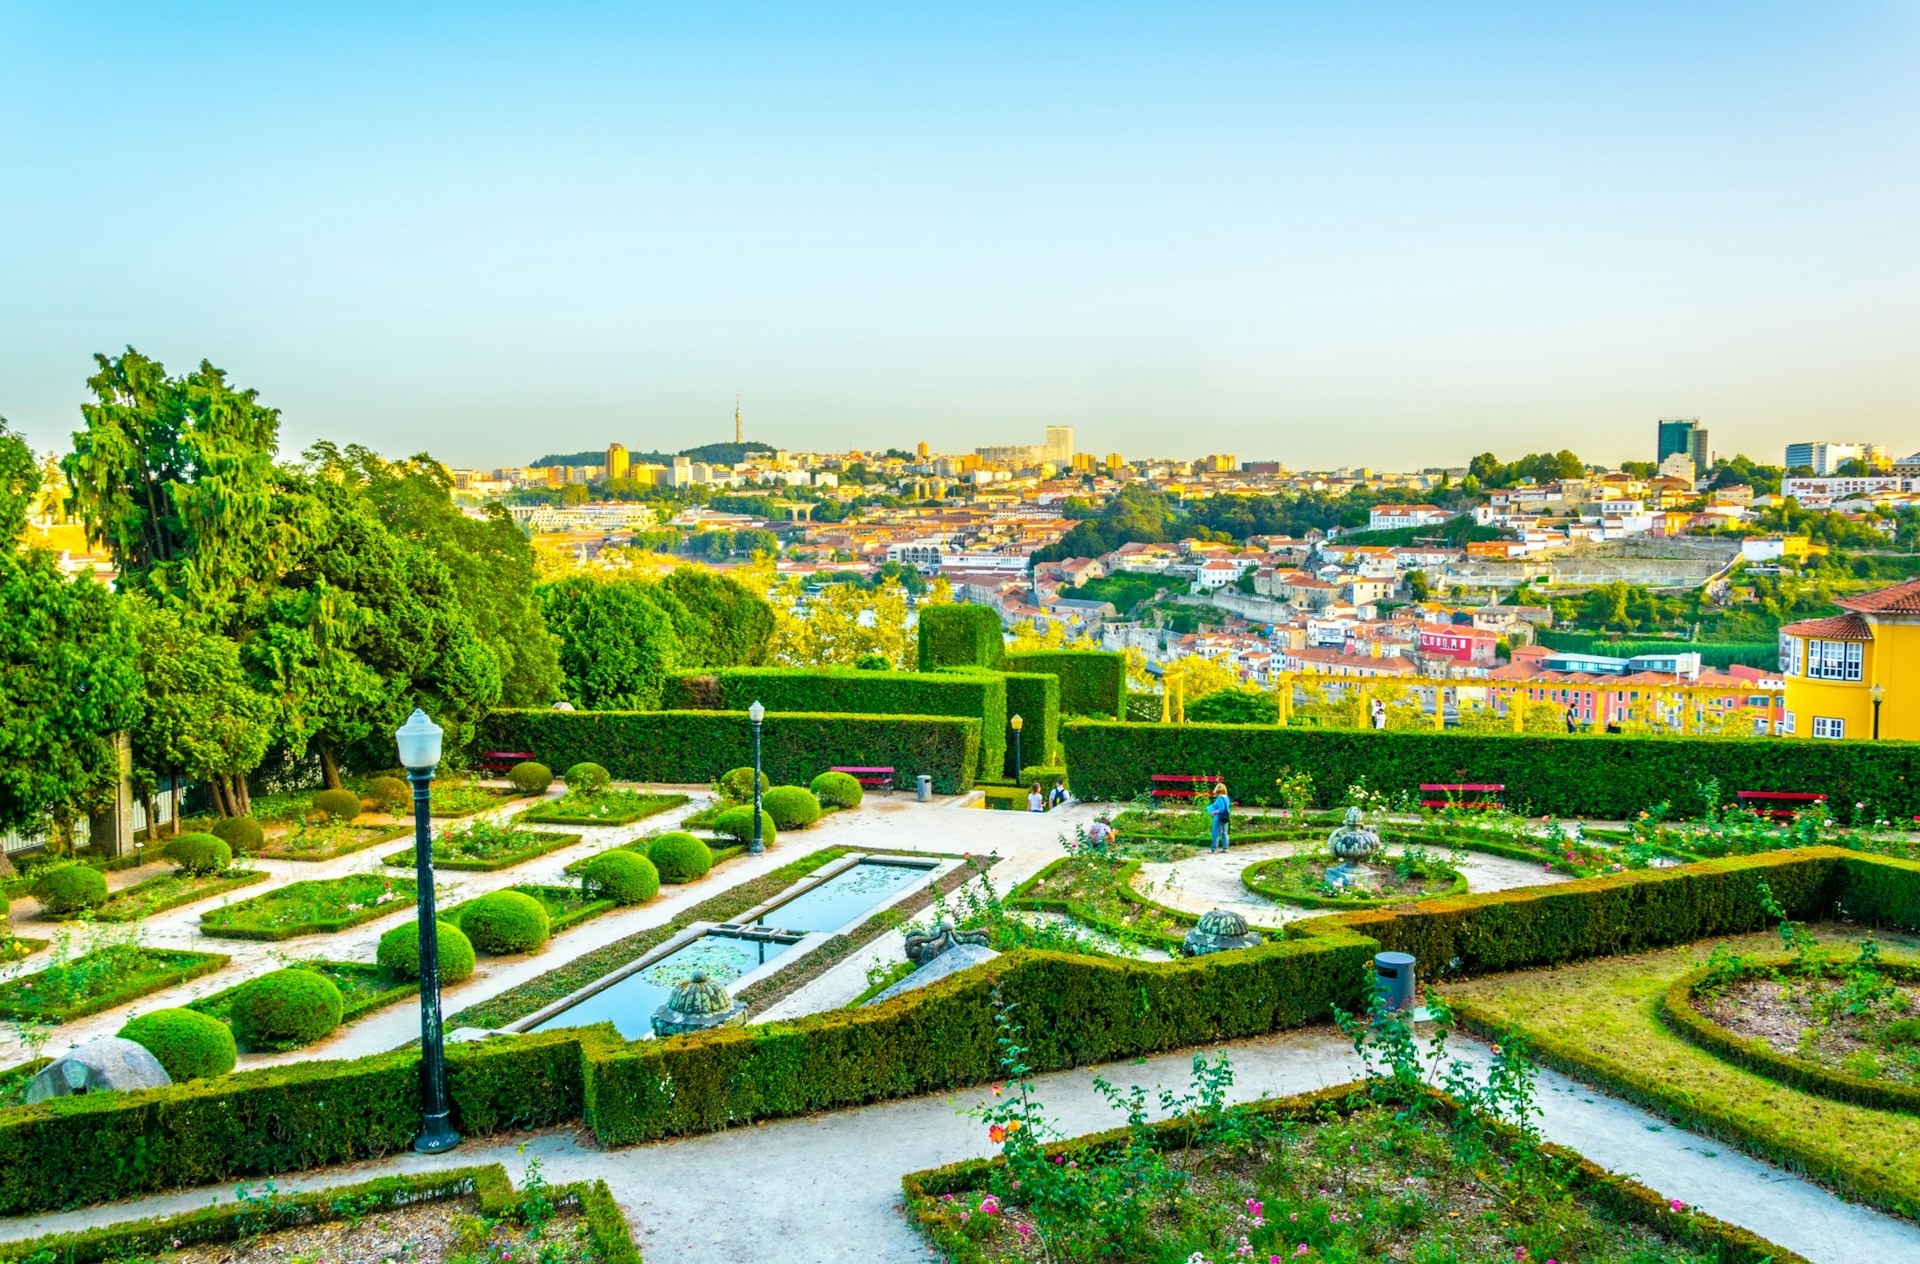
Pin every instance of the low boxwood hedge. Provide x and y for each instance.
(1260, 879)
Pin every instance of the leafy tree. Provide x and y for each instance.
(1419, 587)
(730, 626)
(1235, 706)
(1639, 469)
(202, 717)
(616, 643)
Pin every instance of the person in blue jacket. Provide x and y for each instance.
(1220, 808)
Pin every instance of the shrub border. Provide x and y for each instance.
(331, 926)
(666, 803)
(350, 1011)
(203, 963)
(585, 913)
(545, 841)
(229, 881)
(1257, 887)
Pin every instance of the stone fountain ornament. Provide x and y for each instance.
(697, 1004)
(1222, 930)
(1353, 843)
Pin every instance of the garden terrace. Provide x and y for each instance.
(484, 847)
(364, 988)
(614, 806)
(321, 906)
(162, 892)
(100, 979)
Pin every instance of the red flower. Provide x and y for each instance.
(996, 1134)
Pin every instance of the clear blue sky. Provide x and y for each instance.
(1386, 234)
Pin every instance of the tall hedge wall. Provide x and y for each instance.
(1035, 698)
(1092, 682)
(960, 636)
(693, 746)
(1593, 775)
(844, 691)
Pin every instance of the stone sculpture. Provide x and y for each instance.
(1353, 843)
(1219, 931)
(924, 945)
(697, 1004)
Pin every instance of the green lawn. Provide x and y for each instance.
(606, 807)
(100, 980)
(318, 907)
(303, 841)
(1599, 1021)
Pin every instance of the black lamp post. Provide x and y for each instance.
(756, 713)
(419, 743)
(1018, 764)
(1879, 695)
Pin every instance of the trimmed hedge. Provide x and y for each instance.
(1035, 698)
(699, 746)
(529, 777)
(626, 877)
(961, 635)
(340, 805)
(399, 951)
(589, 777)
(200, 854)
(286, 1009)
(1092, 682)
(680, 857)
(737, 783)
(1597, 775)
(70, 889)
(782, 690)
(190, 1045)
(838, 789)
(791, 807)
(242, 833)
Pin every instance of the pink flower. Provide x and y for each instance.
(1676, 1204)
(1254, 1206)
(1520, 1253)
(1302, 1249)
(989, 1206)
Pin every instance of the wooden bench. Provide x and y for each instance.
(869, 778)
(1489, 795)
(502, 761)
(1755, 801)
(1170, 787)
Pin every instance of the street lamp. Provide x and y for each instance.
(1018, 765)
(756, 713)
(419, 743)
(1879, 695)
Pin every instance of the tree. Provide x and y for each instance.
(1235, 706)
(202, 718)
(1419, 587)
(730, 626)
(838, 624)
(616, 643)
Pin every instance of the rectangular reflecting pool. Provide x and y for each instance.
(629, 1003)
(844, 896)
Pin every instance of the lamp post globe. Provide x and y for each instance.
(756, 713)
(1878, 693)
(418, 743)
(1016, 724)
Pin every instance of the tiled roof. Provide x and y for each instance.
(1899, 599)
(1841, 627)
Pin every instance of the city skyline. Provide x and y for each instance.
(1391, 240)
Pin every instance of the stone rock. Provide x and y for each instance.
(697, 1003)
(109, 1064)
(955, 959)
(1221, 930)
(924, 946)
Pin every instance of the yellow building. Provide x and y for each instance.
(1856, 674)
(617, 461)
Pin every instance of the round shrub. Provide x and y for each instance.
(200, 854)
(240, 833)
(626, 876)
(530, 778)
(341, 805)
(189, 1044)
(285, 1010)
(737, 824)
(791, 807)
(873, 662)
(399, 951)
(841, 789)
(738, 784)
(390, 794)
(505, 923)
(679, 857)
(588, 777)
(70, 889)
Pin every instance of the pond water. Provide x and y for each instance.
(844, 896)
(629, 1004)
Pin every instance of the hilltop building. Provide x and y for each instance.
(1855, 674)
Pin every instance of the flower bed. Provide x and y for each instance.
(601, 807)
(566, 907)
(101, 980)
(1302, 880)
(307, 840)
(364, 988)
(463, 798)
(321, 906)
(722, 852)
(1097, 892)
(158, 894)
(485, 847)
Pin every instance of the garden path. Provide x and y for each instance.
(825, 1189)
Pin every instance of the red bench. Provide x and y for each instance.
(502, 761)
(869, 778)
(1490, 795)
(1754, 801)
(1170, 787)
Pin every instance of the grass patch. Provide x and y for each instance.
(364, 988)
(605, 807)
(321, 906)
(306, 840)
(100, 980)
(158, 894)
(1600, 1021)
(1385, 880)
(1097, 892)
(566, 907)
(484, 847)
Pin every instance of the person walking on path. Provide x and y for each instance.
(1036, 802)
(1220, 809)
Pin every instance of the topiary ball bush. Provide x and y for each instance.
(240, 833)
(399, 951)
(530, 778)
(841, 789)
(590, 778)
(679, 857)
(738, 784)
(505, 923)
(341, 805)
(70, 889)
(627, 877)
(873, 662)
(791, 807)
(390, 794)
(189, 1044)
(737, 824)
(285, 1010)
(200, 854)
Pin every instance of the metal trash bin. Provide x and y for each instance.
(923, 788)
(1393, 979)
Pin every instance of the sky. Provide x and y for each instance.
(1391, 234)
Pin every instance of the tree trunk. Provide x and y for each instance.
(242, 803)
(219, 792)
(329, 767)
(153, 818)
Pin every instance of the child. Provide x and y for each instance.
(1220, 808)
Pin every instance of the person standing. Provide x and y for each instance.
(1220, 809)
(1379, 714)
(1036, 802)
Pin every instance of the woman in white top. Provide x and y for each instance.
(1036, 802)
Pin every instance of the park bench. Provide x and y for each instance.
(1488, 796)
(869, 778)
(1783, 803)
(1170, 787)
(503, 761)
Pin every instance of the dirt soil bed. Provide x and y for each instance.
(1783, 1013)
(424, 1233)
